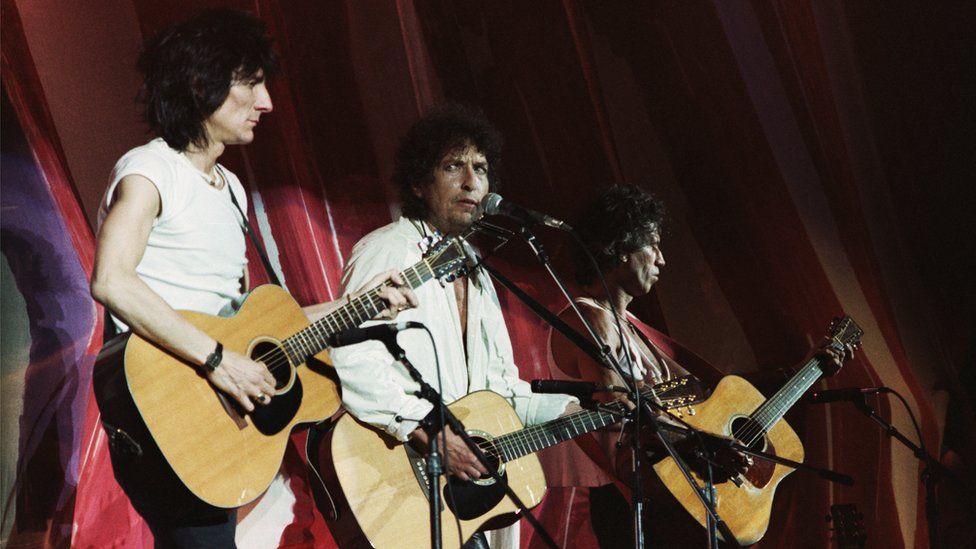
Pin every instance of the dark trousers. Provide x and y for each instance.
(177, 518)
(666, 524)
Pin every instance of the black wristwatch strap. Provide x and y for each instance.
(213, 360)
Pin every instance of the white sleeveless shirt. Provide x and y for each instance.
(195, 256)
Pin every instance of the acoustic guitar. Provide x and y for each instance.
(736, 409)
(374, 489)
(149, 398)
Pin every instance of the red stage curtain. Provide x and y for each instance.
(753, 120)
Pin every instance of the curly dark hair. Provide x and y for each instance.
(188, 69)
(441, 130)
(622, 219)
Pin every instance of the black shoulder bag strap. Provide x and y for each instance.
(247, 230)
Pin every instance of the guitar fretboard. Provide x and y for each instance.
(538, 437)
(845, 332)
(776, 406)
(313, 339)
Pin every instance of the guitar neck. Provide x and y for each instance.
(777, 405)
(676, 393)
(312, 340)
(538, 437)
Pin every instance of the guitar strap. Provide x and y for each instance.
(247, 230)
(109, 329)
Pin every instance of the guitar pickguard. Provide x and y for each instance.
(272, 418)
(469, 500)
(466, 499)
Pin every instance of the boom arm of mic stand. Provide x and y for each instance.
(826, 474)
(427, 392)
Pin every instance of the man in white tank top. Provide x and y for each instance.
(170, 236)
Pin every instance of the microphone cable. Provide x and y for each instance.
(448, 489)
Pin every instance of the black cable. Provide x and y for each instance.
(448, 489)
(635, 387)
(613, 311)
(918, 431)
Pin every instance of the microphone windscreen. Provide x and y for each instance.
(492, 203)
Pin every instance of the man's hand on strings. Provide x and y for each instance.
(243, 379)
(458, 458)
(726, 462)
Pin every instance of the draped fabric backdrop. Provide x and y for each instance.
(817, 157)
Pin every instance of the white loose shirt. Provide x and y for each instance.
(377, 390)
(195, 255)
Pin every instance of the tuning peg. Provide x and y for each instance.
(425, 244)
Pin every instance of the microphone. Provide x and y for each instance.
(494, 204)
(379, 331)
(849, 393)
(576, 388)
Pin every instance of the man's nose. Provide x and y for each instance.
(470, 179)
(263, 101)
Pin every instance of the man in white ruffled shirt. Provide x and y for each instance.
(445, 165)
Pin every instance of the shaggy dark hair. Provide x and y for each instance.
(188, 69)
(443, 129)
(623, 219)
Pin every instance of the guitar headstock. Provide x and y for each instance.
(447, 258)
(847, 527)
(681, 392)
(844, 331)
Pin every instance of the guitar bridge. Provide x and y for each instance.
(418, 464)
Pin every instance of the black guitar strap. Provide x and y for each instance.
(247, 230)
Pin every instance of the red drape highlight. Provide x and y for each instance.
(752, 119)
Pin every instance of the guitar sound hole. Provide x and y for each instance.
(469, 500)
(489, 452)
(273, 356)
(749, 433)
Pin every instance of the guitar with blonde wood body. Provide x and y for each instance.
(736, 409)
(374, 489)
(154, 403)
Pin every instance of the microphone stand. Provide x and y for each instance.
(706, 494)
(931, 474)
(435, 469)
(643, 409)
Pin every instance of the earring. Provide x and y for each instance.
(623, 259)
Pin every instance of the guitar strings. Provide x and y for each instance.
(279, 357)
(524, 441)
(772, 410)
